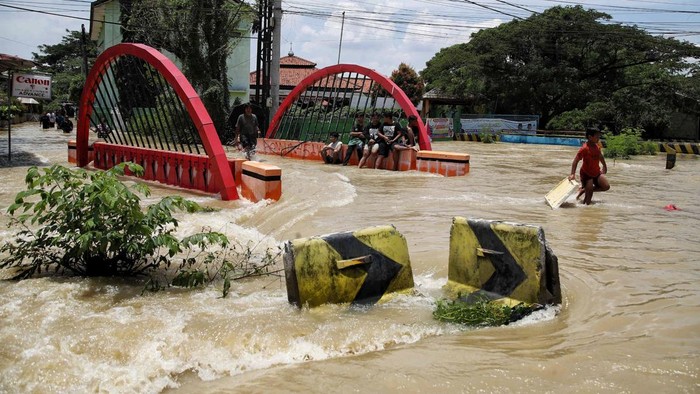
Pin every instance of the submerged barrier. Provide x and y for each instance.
(508, 262)
(360, 267)
(680, 147)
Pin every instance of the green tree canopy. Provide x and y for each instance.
(409, 81)
(201, 34)
(64, 61)
(569, 63)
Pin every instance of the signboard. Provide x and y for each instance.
(440, 127)
(32, 86)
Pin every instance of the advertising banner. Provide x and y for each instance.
(440, 128)
(31, 86)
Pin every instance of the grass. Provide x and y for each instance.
(478, 313)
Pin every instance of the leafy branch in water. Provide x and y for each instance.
(91, 224)
(480, 312)
(229, 263)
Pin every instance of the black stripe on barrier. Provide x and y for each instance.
(508, 274)
(255, 175)
(381, 271)
(443, 160)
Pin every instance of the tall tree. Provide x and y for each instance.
(201, 34)
(409, 81)
(567, 59)
(64, 62)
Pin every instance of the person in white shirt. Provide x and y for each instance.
(332, 151)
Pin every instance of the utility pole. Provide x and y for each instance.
(9, 117)
(262, 70)
(275, 64)
(83, 47)
(340, 46)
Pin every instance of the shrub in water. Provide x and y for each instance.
(92, 224)
(628, 143)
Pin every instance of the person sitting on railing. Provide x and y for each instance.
(371, 147)
(332, 151)
(413, 132)
(357, 138)
(389, 135)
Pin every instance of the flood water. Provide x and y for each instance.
(629, 321)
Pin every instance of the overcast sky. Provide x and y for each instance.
(378, 34)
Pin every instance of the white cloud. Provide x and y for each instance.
(22, 32)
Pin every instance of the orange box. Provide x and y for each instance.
(73, 152)
(261, 181)
(236, 165)
(443, 163)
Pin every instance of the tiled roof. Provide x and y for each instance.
(9, 62)
(288, 76)
(293, 70)
(295, 61)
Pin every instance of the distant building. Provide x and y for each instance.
(354, 92)
(293, 70)
(105, 29)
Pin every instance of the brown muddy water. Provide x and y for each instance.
(629, 322)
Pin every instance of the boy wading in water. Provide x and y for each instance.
(592, 178)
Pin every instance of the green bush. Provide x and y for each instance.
(487, 138)
(478, 312)
(92, 224)
(9, 112)
(628, 143)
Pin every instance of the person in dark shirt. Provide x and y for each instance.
(371, 136)
(45, 121)
(391, 140)
(413, 131)
(247, 131)
(357, 138)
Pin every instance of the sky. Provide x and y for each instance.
(378, 34)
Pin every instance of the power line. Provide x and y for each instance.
(88, 19)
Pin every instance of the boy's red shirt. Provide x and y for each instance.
(590, 154)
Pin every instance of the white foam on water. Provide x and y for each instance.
(549, 312)
(127, 342)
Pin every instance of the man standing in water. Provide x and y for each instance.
(247, 131)
(592, 178)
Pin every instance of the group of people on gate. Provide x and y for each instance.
(378, 139)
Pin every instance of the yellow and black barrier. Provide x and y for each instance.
(359, 267)
(680, 147)
(670, 156)
(508, 262)
(473, 137)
